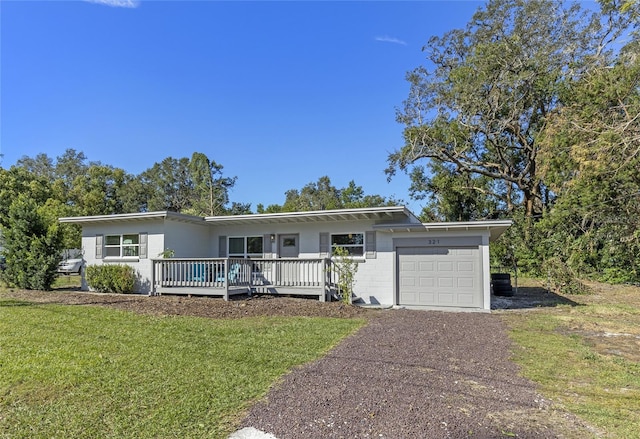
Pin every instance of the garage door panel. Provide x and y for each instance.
(426, 266)
(465, 299)
(437, 276)
(446, 299)
(465, 266)
(407, 283)
(445, 266)
(408, 266)
(426, 298)
(427, 282)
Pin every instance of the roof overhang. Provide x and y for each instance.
(495, 228)
(395, 214)
(141, 216)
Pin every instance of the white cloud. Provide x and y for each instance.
(117, 3)
(388, 39)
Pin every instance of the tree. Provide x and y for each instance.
(211, 189)
(168, 185)
(455, 196)
(271, 208)
(239, 209)
(99, 191)
(33, 246)
(40, 166)
(17, 181)
(323, 195)
(481, 110)
(590, 155)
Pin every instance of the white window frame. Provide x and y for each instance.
(121, 246)
(348, 247)
(245, 241)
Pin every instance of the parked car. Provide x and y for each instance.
(70, 266)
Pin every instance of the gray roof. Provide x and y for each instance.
(131, 217)
(383, 214)
(390, 218)
(495, 227)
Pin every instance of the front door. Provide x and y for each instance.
(289, 246)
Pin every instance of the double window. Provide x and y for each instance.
(121, 246)
(246, 246)
(352, 242)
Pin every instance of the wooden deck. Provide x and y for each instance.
(225, 277)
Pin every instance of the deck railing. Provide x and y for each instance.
(237, 274)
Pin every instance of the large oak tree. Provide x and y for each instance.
(480, 103)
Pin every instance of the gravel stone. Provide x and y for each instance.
(414, 374)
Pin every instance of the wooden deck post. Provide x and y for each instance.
(325, 272)
(152, 290)
(226, 279)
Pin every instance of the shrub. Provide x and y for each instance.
(345, 267)
(563, 279)
(32, 246)
(111, 278)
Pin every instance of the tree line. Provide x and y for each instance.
(36, 191)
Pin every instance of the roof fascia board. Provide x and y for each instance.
(131, 217)
(494, 227)
(314, 216)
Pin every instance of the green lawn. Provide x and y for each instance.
(89, 372)
(587, 357)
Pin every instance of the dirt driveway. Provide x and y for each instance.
(406, 374)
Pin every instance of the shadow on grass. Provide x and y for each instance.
(531, 297)
(15, 302)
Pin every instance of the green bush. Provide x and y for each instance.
(32, 246)
(345, 268)
(563, 279)
(111, 278)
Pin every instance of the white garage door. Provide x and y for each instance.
(439, 276)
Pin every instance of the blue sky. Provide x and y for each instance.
(279, 93)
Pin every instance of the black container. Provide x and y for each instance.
(501, 284)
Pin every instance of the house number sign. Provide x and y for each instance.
(433, 241)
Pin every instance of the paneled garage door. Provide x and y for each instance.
(440, 276)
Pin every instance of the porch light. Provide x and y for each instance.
(273, 238)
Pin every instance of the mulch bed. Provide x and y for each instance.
(406, 374)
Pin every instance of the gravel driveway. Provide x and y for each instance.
(414, 374)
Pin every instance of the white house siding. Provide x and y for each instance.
(154, 228)
(374, 280)
(309, 233)
(187, 240)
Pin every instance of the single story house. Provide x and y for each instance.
(401, 261)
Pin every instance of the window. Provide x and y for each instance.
(245, 246)
(119, 246)
(352, 242)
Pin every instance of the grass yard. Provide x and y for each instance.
(89, 372)
(587, 357)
